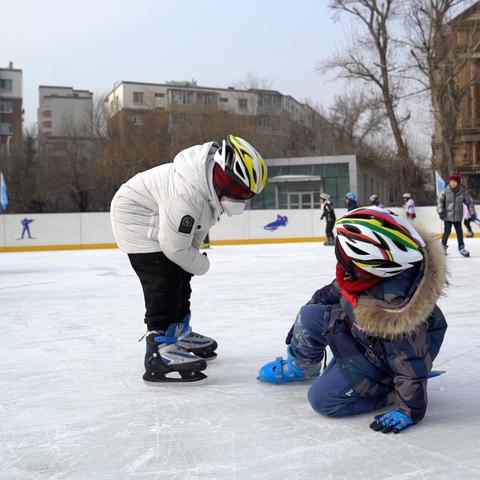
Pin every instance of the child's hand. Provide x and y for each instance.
(395, 421)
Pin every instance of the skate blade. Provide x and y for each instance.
(175, 378)
(179, 383)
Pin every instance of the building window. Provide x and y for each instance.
(243, 103)
(47, 124)
(160, 95)
(137, 119)
(224, 99)
(205, 98)
(6, 106)
(6, 84)
(47, 113)
(6, 128)
(181, 97)
(264, 121)
(268, 101)
(137, 97)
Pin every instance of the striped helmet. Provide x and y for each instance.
(243, 163)
(378, 241)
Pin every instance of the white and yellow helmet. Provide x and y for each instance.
(243, 163)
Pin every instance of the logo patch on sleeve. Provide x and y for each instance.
(186, 224)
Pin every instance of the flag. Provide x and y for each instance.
(439, 183)
(3, 192)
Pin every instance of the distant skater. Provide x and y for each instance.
(409, 206)
(328, 213)
(450, 210)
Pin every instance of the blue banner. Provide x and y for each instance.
(439, 183)
(3, 192)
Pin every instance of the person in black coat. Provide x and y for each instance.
(329, 216)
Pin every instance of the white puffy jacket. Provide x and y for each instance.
(169, 209)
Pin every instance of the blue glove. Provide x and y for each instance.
(394, 420)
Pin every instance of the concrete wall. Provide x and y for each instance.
(92, 230)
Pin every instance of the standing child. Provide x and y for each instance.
(450, 210)
(328, 213)
(409, 206)
(380, 319)
(351, 201)
(160, 217)
(374, 200)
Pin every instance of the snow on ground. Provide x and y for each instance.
(73, 405)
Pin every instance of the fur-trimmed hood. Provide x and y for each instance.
(400, 304)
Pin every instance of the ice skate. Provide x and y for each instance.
(200, 345)
(288, 370)
(444, 248)
(463, 252)
(168, 362)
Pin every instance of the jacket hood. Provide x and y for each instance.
(400, 305)
(195, 166)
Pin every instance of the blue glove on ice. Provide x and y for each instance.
(395, 421)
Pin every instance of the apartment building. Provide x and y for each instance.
(172, 108)
(64, 113)
(464, 34)
(11, 112)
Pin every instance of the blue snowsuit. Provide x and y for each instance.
(384, 344)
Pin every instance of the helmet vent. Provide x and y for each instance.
(357, 250)
(352, 228)
(400, 246)
(238, 171)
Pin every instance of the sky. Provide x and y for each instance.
(90, 45)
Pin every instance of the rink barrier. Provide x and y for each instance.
(40, 248)
(82, 231)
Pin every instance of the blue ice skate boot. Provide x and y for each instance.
(166, 361)
(288, 370)
(200, 345)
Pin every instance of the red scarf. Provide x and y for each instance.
(350, 287)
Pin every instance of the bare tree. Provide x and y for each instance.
(371, 59)
(359, 118)
(442, 67)
(255, 82)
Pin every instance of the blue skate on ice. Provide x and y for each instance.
(287, 370)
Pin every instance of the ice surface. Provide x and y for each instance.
(73, 405)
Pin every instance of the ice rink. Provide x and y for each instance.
(73, 405)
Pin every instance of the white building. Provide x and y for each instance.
(64, 113)
(138, 96)
(10, 109)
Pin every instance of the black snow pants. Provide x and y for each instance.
(458, 230)
(166, 288)
(329, 229)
